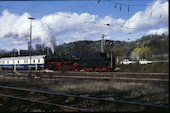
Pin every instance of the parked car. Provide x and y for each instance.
(144, 61)
(127, 61)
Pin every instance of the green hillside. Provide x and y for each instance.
(156, 44)
(146, 46)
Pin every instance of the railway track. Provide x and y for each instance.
(54, 101)
(116, 76)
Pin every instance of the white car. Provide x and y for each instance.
(127, 61)
(144, 61)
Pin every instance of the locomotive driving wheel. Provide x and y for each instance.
(51, 67)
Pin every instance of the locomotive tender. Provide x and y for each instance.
(87, 61)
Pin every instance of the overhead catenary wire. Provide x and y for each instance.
(97, 21)
(85, 21)
(69, 16)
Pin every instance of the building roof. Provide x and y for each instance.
(22, 57)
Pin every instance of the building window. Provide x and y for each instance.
(38, 60)
(7, 62)
(33, 61)
(18, 61)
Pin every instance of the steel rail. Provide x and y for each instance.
(105, 74)
(144, 107)
(95, 73)
(115, 78)
(62, 107)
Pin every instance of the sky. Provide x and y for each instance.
(64, 21)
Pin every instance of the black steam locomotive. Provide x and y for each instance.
(87, 61)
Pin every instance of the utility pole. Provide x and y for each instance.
(102, 43)
(111, 60)
(30, 44)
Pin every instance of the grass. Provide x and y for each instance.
(118, 90)
(160, 67)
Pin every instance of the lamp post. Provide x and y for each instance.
(30, 48)
(111, 60)
(102, 40)
(102, 43)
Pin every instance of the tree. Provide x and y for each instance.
(141, 52)
(134, 55)
(14, 53)
(40, 47)
(47, 51)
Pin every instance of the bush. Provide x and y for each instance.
(160, 67)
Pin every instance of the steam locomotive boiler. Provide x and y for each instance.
(87, 61)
